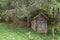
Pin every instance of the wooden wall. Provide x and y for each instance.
(39, 24)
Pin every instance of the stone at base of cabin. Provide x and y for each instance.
(42, 31)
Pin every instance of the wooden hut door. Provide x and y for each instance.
(40, 26)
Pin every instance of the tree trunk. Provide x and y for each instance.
(53, 35)
(28, 20)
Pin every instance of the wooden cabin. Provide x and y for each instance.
(39, 23)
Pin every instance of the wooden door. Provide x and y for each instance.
(41, 26)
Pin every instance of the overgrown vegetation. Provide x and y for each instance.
(15, 11)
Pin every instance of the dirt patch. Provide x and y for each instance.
(19, 23)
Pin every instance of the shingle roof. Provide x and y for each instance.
(42, 15)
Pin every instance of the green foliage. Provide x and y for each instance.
(38, 11)
(1, 8)
(58, 1)
(23, 8)
(24, 19)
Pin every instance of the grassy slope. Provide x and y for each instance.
(8, 32)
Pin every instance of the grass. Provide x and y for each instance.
(8, 32)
